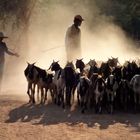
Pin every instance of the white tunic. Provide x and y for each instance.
(73, 43)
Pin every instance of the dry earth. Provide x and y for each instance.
(21, 121)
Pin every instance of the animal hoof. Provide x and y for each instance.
(55, 101)
(58, 102)
(41, 103)
(63, 106)
(79, 103)
(29, 101)
(69, 104)
(82, 111)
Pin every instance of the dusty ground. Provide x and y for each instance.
(21, 121)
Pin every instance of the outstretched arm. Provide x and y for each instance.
(6, 50)
(11, 53)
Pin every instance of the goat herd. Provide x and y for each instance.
(110, 86)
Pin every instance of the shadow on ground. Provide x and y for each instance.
(52, 114)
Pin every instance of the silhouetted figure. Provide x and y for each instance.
(73, 39)
(3, 50)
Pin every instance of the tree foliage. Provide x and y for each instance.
(126, 14)
(17, 11)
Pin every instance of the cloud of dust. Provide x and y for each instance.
(101, 39)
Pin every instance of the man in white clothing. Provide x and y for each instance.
(73, 39)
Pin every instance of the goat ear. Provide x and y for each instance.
(53, 61)
(27, 62)
(82, 58)
(111, 57)
(57, 61)
(34, 63)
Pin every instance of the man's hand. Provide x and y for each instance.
(16, 54)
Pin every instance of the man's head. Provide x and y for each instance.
(78, 20)
(2, 36)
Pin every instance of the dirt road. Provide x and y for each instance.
(21, 121)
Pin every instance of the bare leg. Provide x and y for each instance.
(33, 93)
(62, 97)
(38, 93)
(135, 101)
(78, 98)
(73, 92)
(55, 94)
(28, 92)
(52, 95)
(45, 98)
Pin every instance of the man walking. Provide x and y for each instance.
(73, 39)
(3, 50)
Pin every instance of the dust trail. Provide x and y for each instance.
(100, 39)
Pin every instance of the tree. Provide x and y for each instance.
(126, 14)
